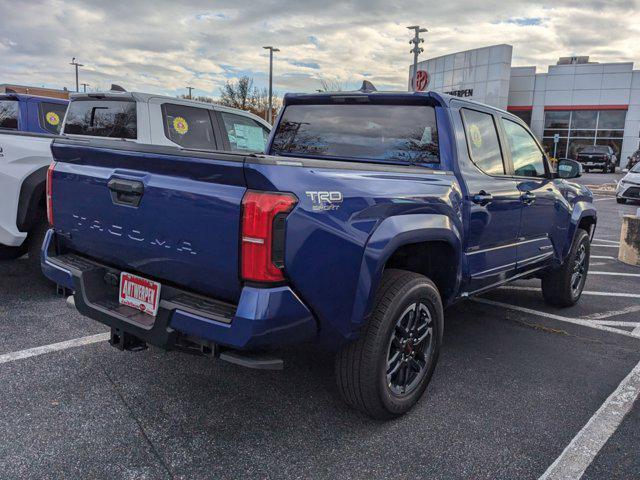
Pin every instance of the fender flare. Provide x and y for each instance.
(581, 210)
(391, 234)
(32, 193)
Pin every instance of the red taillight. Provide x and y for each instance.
(49, 192)
(260, 211)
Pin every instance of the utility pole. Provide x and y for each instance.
(268, 116)
(84, 87)
(76, 64)
(416, 50)
(190, 89)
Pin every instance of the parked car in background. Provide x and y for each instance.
(598, 157)
(629, 186)
(27, 126)
(368, 215)
(633, 160)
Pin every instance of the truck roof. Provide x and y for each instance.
(25, 96)
(145, 97)
(442, 98)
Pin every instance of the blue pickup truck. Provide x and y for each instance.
(369, 214)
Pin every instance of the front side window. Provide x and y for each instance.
(482, 139)
(51, 116)
(244, 133)
(528, 159)
(189, 127)
(9, 114)
(393, 133)
(102, 118)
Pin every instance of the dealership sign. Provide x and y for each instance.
(422, 80)
(467, 92)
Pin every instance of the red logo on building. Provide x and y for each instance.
(422, 80)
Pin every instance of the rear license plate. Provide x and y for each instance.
(139, 293)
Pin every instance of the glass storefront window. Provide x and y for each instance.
(610, 133)
(524, 115)
(561, 151)
(557, 119)
(551, 133)
(612, 119)
(584, 119)
(615, 144)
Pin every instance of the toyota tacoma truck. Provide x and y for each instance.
(598, 156)
(368, 214)
(27, 125)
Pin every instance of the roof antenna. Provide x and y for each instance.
(367, 87)
(117, 88)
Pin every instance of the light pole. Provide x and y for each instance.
(416, 50)
(84, 87)
(189, 88)
(269, 111)
(76, 64)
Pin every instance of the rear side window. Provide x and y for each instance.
(482, 139)
(102, 118)
(189, 127)
(244, 133)
(9, 114)
(51, 116)
(394, 133)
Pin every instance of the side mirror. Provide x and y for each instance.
(568, 168)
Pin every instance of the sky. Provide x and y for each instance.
(163, 46)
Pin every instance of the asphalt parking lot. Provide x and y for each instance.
(519, 386)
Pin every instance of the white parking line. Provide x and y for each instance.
(612, 313)
(616, 274)
(54, 347)
(584, 292)
(606, 241)
(603, 198)
(577, 321)
(602, 257)
(579, 454)
(604, 246)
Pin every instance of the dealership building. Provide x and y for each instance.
(574, 104)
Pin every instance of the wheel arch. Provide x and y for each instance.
(31, 203)
(414, 242)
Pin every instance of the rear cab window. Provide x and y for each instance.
(482, 141)
(102, 118)
(390, 133)
(9, 114)
(189, 127)
(244, 133)
(51, 115)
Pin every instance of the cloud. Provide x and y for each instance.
(162, 47)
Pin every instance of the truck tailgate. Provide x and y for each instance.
(169, 214)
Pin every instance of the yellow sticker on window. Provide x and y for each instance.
(474, 133)
(180, 125)
(52, 118)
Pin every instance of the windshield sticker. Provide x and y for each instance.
(474, 133)
(52, 118)
(180, 125)
(248, 137)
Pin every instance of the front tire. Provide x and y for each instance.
(621, 200)
(11, 253)
(563, 286)
(386, 371)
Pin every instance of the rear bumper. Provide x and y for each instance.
(263, 318)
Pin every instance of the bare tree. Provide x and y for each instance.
(244, 95)
(334, 85)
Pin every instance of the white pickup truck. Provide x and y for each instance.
(27, 126)
(115, 115)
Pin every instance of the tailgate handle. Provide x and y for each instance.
(126, 192)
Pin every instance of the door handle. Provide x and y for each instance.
(125, 192)
(528, 198)
(482, 198)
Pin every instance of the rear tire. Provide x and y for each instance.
(563, 286)
(386, 371)
(11, 253)
(34, 242)
(586, 170)
(621, 200)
